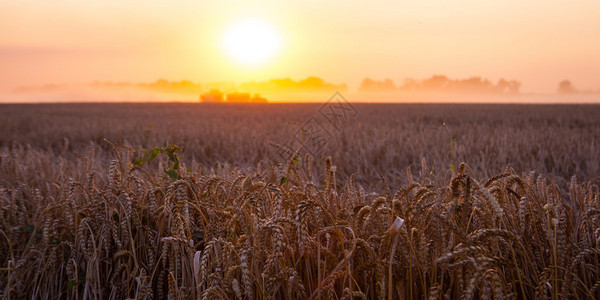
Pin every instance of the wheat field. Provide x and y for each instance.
(401, 201)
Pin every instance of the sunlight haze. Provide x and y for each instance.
(538, 43)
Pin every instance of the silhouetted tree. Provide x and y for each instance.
(435, 83)
(566, 87)
(238, 97)
(257, 98)
(369, 84)
(508, 86)
(441, 83)
(409, 84)
(214, 95)
(310, 84)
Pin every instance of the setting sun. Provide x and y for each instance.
(251, 41)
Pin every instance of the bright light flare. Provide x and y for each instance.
(251, 41)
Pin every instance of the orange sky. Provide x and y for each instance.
(74, 41)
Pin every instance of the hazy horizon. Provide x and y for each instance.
(437, 88)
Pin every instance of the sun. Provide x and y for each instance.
(251, 41)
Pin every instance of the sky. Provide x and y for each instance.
(538, 43)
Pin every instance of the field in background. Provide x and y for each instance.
(496, 200)
(384, 139)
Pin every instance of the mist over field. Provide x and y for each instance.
(434, 89)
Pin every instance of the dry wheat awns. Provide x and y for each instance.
(81, 220)
(231, 234)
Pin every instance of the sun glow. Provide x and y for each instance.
(251, 41)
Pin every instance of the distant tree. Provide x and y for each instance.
(435, 83)
(312, 82)
(472, 85)
(162, 82)
(508, 86)
(566, 87)
(369, 84)
(214, 95)
(409, 84)
(388, 84)
(257, 98)
(238, 97)
(283, 85)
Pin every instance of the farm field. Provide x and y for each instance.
(298, 201)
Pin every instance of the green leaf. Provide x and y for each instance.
(137, 162)
(452, 168)
(54, 241)
(172, 174)
(284, 179)
(296, 160)
(154, 152)
(171, 156)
